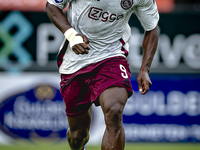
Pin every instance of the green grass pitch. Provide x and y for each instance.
(48, 145)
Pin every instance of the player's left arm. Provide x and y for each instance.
(147, 13)
(149, 46)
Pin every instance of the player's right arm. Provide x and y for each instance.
(78, 42)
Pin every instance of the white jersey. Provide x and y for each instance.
(105, 23)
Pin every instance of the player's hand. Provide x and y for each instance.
(81, 48)
(144, 82)
(79, 43)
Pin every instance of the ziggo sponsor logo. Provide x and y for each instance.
(98, 14)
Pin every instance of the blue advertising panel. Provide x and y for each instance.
(36, 113)
(32, 108)
(170, 111)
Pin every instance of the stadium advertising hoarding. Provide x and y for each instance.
(170, 111)
(31, 44)
(39, 5)
(31, 108)
(38, 112)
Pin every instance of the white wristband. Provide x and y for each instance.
(71, 36)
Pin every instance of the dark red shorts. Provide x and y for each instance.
(81, 89)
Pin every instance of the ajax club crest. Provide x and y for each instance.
(126, 4)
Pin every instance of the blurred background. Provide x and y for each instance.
(31, 108)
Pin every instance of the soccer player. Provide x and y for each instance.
(92, 62)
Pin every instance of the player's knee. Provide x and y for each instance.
(113, 116)
(78, 138)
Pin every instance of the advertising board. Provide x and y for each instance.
(165, 6)
(169, 112)
(32, 108)
(31, 44)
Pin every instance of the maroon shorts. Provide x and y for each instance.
(81, 89)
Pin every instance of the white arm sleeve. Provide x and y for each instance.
(147, 13)
(59, 3)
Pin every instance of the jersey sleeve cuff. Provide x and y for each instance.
(52, 2)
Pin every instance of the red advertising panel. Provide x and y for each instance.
(22, 5)
(164, 6)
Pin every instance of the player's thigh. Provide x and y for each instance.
(80, 123)
(113, 99)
